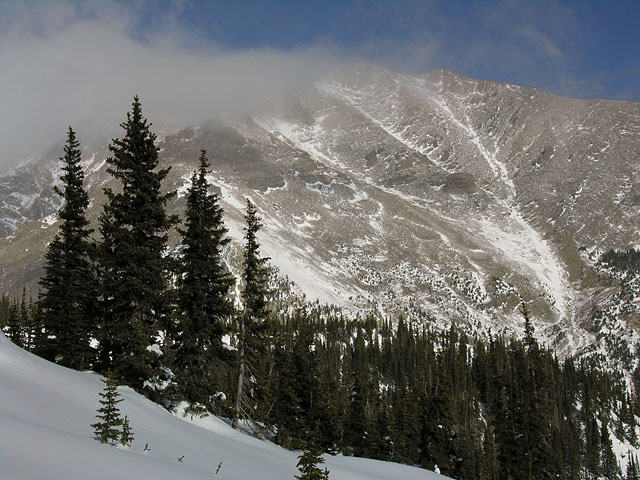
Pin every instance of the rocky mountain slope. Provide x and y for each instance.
(438, 196)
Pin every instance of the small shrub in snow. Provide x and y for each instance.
(308, 462)
(126, 437)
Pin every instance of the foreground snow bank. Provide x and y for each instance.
(46, 410)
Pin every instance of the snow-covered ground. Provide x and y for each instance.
(46, 410)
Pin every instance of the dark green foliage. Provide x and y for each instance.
(437, 423)
(5, 305)
(628, 260)
(495, 410)
(255, 275)
(107, 428)
(489, 466)
(134, 270)
(609, 464)
(529, 339)
(15, 329)
(68, 296)
(592, 453)
(203, 287)
(35, 335)
(363, 388)
(633, 472)
(126, 436)
(254, 336)
(20, 322)
(308, 465)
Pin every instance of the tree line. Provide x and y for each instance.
(165, 323)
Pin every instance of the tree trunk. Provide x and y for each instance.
(236, 414)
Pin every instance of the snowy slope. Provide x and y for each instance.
(46, 410)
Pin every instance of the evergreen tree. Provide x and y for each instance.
(529, 339)
(357, 424)
(134, 269)
(609, 463)
(592, 453)
(15, 329)
(24, 317)
(628, 420)
(632, 468)
(203, 288)
(437, 423)
(255, 276)
(490, 467)
(287, 410)
(537, 406)
(108, 414)
(5, 304)
(253, 328)
(32, 326)
(68, 296)
(308, 462)
(126, 436)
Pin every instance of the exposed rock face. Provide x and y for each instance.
(432, 194)
(460, 183)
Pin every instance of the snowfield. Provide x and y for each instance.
(46, 410)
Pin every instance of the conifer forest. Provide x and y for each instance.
(177, 325)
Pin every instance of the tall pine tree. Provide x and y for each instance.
(68, 296)
(252, 322)
(608, 461)
(134, 269)
(203, 288)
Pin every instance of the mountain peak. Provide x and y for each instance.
(432, 196)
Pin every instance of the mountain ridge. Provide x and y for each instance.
(435, 196)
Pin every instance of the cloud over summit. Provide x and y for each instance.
(60, 68)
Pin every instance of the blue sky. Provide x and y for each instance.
(578, 48)
(80, 62)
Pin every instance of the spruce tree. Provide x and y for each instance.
(134, 269)
(529, 338)
(308, 465)
(33, 328)
(203, 288)
(15, 329)
(68, 295)
(490, 467)
(107, 429)
(592, 445)
(255, 276)
(437, 423)
(632, 468)
(609, 463)
(252, 328)
(126, 436)
(24, 317)
(5, 303)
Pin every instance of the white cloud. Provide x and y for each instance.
(80, 62)
(61, 66)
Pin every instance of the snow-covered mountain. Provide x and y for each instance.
(45, 416)
(437, 196)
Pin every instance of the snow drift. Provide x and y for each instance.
(46, 410)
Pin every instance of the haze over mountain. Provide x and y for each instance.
(433, 196)
(80, 62)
